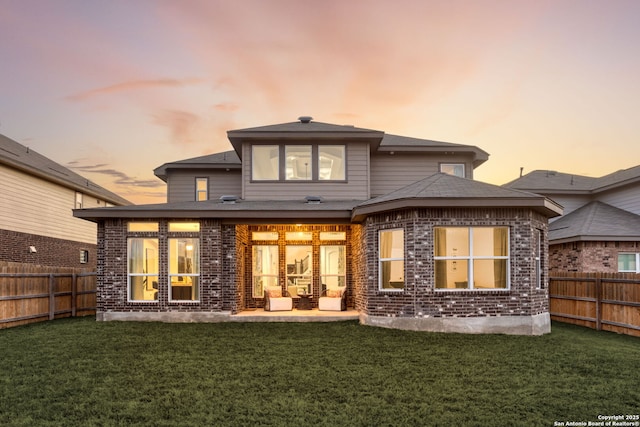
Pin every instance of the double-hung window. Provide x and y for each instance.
(629, 262)
(391, 259)
(471, 257)
(202, 189)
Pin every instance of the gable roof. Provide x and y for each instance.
(443, 190)
(595, 221)
(20, 157)
(552, 182)
(224, 160)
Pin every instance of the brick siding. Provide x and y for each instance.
(225, 273)
(419, 297)
(14, 247)
(588, 257)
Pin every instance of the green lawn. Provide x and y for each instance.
(78, 372)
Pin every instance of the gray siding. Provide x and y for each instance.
(569, 203)
(626, 198)
(355, 188)
(181, 185)
(390, 172)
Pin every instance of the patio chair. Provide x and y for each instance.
(275, 301)
(333, 300)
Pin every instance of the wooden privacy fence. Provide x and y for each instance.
(31, 293)
(602, 301)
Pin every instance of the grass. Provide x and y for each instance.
(78, 372)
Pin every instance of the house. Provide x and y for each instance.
(600, 228)
(37, 198)
(396, 225)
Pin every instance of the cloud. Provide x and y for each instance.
(133, 85)
(120, 178)
(182, 125)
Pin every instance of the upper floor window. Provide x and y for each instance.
(265, 161)
(79, 200)
(331, 162)
(455, 169)
(629, 263)
(298, 163)
(471, 257)
(202, 189)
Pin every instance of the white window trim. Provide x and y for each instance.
(130, 275)
(637, 255)
(470, 258)
(403, 259)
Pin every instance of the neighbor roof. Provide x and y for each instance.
(550, 182)
(443, 190)
(23, 158)
(595, 221)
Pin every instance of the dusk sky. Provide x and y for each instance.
(115, 88)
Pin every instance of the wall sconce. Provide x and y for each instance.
(32, 249)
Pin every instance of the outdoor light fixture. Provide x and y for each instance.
(32, 249)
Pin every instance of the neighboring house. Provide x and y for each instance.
(396, 223)
(600, 228)
(37, 198)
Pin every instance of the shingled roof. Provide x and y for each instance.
(224, 160)
(443, 190)
(596, 221)
(552, 182)
(25, 159)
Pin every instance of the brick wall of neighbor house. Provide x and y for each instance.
(588, 257)
(112, 270)
(14, 247)
(420, 299)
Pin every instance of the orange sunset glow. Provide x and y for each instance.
(114, 89)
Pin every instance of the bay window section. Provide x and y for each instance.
(184, 269)
(142, 269)
(298, 164)
(299, 260)
(391, 259)
(471, 257)
(265, 162)
(265, 268)
(331, 162)
(333, 267)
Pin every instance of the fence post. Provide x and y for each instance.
(74, 293)
(598, 303)
(52, 298)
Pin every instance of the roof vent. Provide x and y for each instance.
(313, 200)
(228, 200)
(305, 119)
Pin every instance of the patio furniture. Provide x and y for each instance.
(275, 301)
(333, 300)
